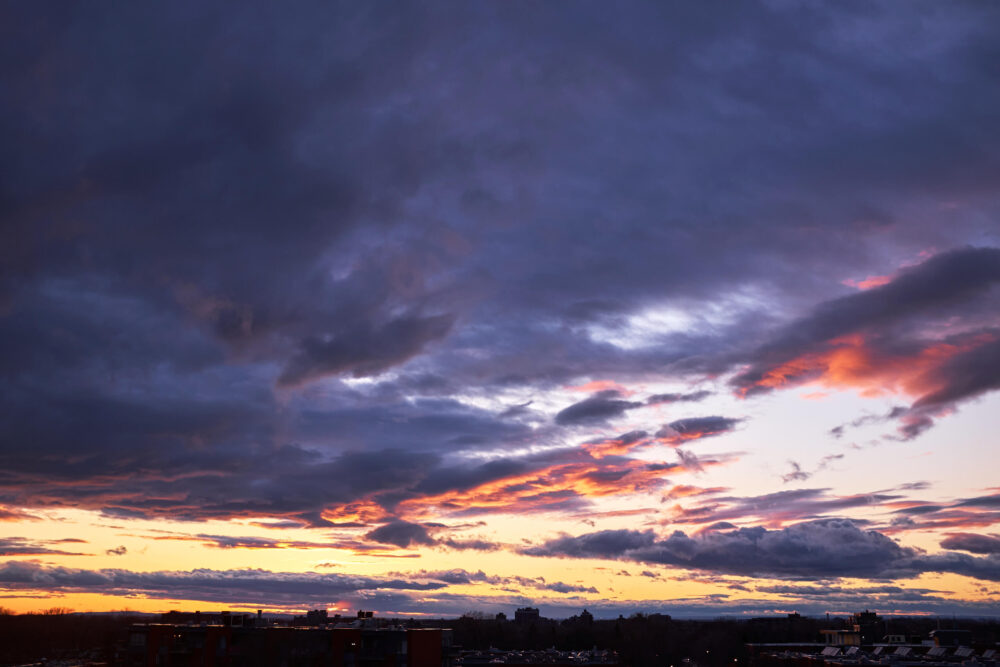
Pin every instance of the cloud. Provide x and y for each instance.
(690, 397)
(23, 546)
(686, 490)
(944, 280)
(306, 295)
(560, 481)
(116, 551)
(777, 508)
(967, 374)
(617, 446)
(365, 351)
(959, 515)
(460, 576)
(817, 549)
(866, 340)
(977, 544)
(400, 533)
(695, 428)
(601, 544)
(320, 475)
(227, 586)
(690, 460)
(470, 544)
(561, 587)
(600, 407)
(15, 515)
(455, 478)
(796, 474)
(253, 542)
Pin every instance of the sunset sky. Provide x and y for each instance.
(429, 308)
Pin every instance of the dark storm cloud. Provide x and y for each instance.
(602, 544)
(210, 226)
(455, 478)
(215, 448)
(287, 482)
(400, 533)
(977, 544)
(364, 352)
(441, 424)
(601, 406)
(318, 487)
(818, 549)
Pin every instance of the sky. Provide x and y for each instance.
(440, 307)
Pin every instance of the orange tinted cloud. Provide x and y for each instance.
(361, 512)
(851, 362)
(680, 431)
(14, 515)
(686, 490)
(868, 283)
(554, 488)
(617, 446)
(929, 332)
(595, 386)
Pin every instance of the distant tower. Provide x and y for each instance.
(526, 615)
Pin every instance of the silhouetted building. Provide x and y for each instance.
(314, 617)
(849, 647)
(841, 637)
(223, 618)
(526, 615)
(868, 626)
(169, 645)
(863, 628)
(951, 637)
(546, 658)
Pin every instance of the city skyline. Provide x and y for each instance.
(430, 308)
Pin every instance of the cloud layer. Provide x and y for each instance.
(392, 276)
(809, 550)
